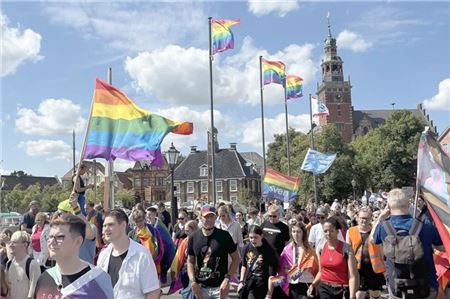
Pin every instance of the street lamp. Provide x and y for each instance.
(172, 158)
(354, 185)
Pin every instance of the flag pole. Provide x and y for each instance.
(108, 195)
(73, 152)
(212, 135)
(288, 152)
(263, 174)
(312, 146)
(416, 197)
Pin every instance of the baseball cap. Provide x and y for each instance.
(207, 209)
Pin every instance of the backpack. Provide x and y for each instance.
(27, 266)
(405, 251)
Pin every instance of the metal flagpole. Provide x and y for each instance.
(212, 135)
(312, 146)
(108, 197)
(73, 152)
(288, 152)
(95, 180)
(262, 128)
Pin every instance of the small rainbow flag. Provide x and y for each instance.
(294, 87)
(277, 280)
(120, 129)
(221, 35)
(273, 72)
(280, 186)
(294, 273)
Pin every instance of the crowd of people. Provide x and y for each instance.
(344, 250)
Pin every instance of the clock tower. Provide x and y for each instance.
(334, 91)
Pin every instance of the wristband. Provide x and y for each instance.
(227, 276)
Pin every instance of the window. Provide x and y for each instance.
(177, 188)
(146, 182)
(190, 187)
(204, 171)
(340, 126)
(233, 198)
(204, 186)
(233, 185)
(219, 186)
(137, 182)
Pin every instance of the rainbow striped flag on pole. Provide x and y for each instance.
(221, 35)
(433, 183)
(280, 186)
(273, 72)
(294, 87)
(118, 128)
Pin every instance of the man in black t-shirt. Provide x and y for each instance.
(276, 232)
(207, 263)
(28, 218)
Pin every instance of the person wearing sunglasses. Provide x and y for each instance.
(316, 235)
(275, 232)
(178, 229)
(72, 277)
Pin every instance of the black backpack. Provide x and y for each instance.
(405, 251)
(27, 266)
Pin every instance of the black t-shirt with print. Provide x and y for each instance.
(115, 262)
(276, 235)
(261, 262)
(211, 253)
(46, 286)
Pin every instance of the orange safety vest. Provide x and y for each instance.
(375, 251)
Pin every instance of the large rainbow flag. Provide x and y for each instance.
(120, 129)
(294, 87)
(221, 35)
(273, 72)
(433, 182)
(280, 186)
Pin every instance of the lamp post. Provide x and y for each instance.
(354, 185)
(172, 158)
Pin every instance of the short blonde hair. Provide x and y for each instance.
(192, 224)
(397, 199)
(20, 236)
(274, 208)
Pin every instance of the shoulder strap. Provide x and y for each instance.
(345, 250)
(8, 264)
(27, 266)
(416, 227)
(390, 230)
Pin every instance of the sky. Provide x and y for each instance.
(394, 52)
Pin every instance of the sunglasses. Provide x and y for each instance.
(181, 218)
(273, 216)
(320, 217)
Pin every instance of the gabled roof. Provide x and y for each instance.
(125, 179)
(139, 165)
(253, 157)
(228, 164)
(444, 133)
(9, 181)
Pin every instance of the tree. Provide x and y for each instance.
(14, 198)
(247, 198)
(126, 197)
(386, 156)
(52, 196)
(19, 173)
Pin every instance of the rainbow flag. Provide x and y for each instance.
(273, 72)
(280, 186)
(433, 183)
(177, 265)
(120, 129)
(294, 87)
(221, 35)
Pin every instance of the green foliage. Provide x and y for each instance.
(19, 173)
(247, 197)
(126, 197)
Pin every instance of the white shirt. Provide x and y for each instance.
(234, 229)
(317, 237)
(20, 286)
(137, 275)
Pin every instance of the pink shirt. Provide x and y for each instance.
(36, 239)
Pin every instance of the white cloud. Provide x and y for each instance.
(181, 75)
(48, 149)
(352, 41)
(53, 116)
(134, 26)
(17, 46)
(252, 134)
(264, 7)
(442, 99)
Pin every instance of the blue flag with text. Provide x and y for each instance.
(317, 162)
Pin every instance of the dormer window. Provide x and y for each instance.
(204, 170)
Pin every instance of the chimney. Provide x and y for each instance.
(233, 146)
(193, 149)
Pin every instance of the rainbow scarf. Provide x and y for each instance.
(273, 72)
(148, 237)
(177, 265)
(118, 128)
(280, 186)
(294, 87)
(221, 35)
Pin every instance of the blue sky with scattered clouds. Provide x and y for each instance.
(53, 51)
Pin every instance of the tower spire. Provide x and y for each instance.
(329, 26)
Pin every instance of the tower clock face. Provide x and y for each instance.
(339, 98)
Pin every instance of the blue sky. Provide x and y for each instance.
(53, 51)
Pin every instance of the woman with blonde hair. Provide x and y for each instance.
(39, 236)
